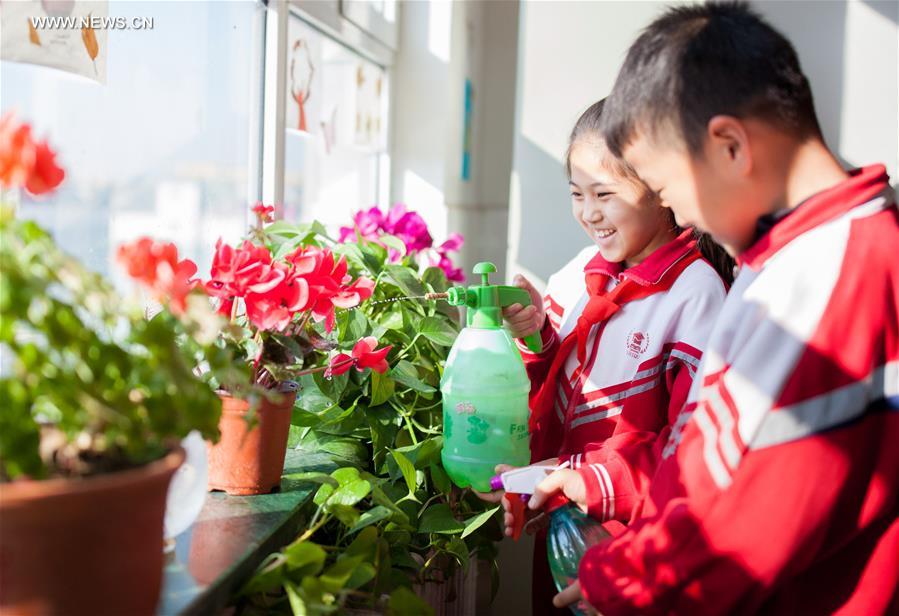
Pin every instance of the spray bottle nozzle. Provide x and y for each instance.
(485, 303)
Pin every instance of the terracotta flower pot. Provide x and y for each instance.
(84, 546)
(250, 461)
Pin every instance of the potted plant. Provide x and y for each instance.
(278, 303)
(96, 399)
(389, 523)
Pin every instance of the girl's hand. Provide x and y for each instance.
(568, 481)
(524, 321)
(496, 495)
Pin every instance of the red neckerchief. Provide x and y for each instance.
(660, 271)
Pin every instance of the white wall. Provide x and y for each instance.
(570, 52)
(442, 44)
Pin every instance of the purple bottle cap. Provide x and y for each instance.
(496, 482)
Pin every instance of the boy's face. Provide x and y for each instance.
(709, 193)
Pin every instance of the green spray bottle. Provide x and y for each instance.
(485, 386)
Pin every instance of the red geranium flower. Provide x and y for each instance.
(156, 266)
(265, 213)
(24, 162)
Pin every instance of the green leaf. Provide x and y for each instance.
(392, 320)
(405, 279)
(363, 545)
(374, 256)
(304, 558)
(474, 523)
(404, 602)
(380, 497)
(406, 374)
(424, 453)
(352, 488)
(391, 241)
(456, 546)
(353, 325)
(297, 605)
(439, 519)
(312, 477)
(310, 397)
(382, 387)
(334, 579)
(438, 331)
(323, 494)
(362, 574)
(441, 479)
(406, 468)
(436, 279)
(347, 515)
(372, 516)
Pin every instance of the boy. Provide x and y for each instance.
(778, 490)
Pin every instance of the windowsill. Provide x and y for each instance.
(232, 535)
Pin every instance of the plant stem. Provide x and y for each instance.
(411, 345)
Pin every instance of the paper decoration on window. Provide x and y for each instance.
(369, 107)
(68, 35)
(302, 70)
(333, 91)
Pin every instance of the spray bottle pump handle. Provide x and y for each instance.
(486, 301)
(516, 295)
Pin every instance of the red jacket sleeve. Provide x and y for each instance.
(617, 472)
(537, 364)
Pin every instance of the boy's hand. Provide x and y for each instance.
(572, 595)
(524, 321)
(568, 481)
(535, 520)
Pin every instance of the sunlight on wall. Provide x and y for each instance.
(869, 90)
(427, 200)
(440, 19)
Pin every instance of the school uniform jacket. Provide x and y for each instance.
(639, 363)
(778, 491)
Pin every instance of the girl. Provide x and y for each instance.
(623, 327)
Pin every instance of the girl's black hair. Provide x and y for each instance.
(588, 127)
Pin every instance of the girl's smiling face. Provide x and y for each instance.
(619, 214)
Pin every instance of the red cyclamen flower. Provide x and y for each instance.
(365, 354)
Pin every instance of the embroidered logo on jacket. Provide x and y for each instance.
(637, 343)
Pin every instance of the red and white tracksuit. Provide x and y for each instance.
(640, 363)
(778, 489)
(638, 367)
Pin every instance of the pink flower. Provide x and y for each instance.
(264, 213)
(369, 224)
(365, 354)
(452, 272)
(452, 244)
(410, 227)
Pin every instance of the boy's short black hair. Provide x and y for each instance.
(698, 61)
